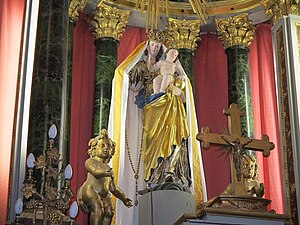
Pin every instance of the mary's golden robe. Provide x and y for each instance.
(165, 124)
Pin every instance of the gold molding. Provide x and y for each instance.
(109, 21)
(275, 9)
(235, 30)
(75, 7)
(183, 33)
(185, 9)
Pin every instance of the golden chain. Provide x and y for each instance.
(137, 171)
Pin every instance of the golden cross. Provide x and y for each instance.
(234, 127)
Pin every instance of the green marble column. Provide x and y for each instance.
(51, 84)
(239, 85)
(106, 63)
(183, 35)
(236, 34)
(108, 25)
(186, 59)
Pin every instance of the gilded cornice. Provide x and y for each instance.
(75, 7)
(235, 30)
(275, 9)
(183, 33)
(184, 8)
(109, 21)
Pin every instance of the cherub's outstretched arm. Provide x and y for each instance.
(118, 193)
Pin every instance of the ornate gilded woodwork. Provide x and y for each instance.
(183, 33)
(235, 30)
(155, 7)
(109, 21)
(184, 8)
(275, 9)
(286, 128)
(75, 7)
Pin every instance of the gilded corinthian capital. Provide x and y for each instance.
(109, 21)
(236, 30)
(275, 9)
(75, 7)
(183, 33)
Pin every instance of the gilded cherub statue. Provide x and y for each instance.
(250, 173)
(251, 185)
(94, 195)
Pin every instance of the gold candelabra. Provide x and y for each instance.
(47, 194)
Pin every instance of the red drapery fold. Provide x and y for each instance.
(129, 40)
(83, 78)
(263, 90)
(211, 82)
(211, 97)
(11, 22)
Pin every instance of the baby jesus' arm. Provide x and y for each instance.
(179, 70)
(153, 67)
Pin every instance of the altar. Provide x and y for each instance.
(87, 65)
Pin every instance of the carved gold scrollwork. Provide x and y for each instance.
(275, 9)
(75, 7)
(183, 33)
(109, 21)
(236, 30)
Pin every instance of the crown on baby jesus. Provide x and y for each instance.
(159, 36)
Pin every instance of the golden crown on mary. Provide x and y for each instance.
(159, 36)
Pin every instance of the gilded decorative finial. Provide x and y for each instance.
(159, 36)
(183, 33)
(75, 7)
(109, 21)
(154, 8)
(275, 9)
(235, 30)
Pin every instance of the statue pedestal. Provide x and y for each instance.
(234, 210)
(163, 207)
(232, 220)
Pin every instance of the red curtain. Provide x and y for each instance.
(263, 90)
(211, 97)
(11, 22)
(83, 77)
(129, 40)
(211, 82)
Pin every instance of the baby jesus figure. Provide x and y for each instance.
(167, 69)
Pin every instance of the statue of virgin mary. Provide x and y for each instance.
(155, 134)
